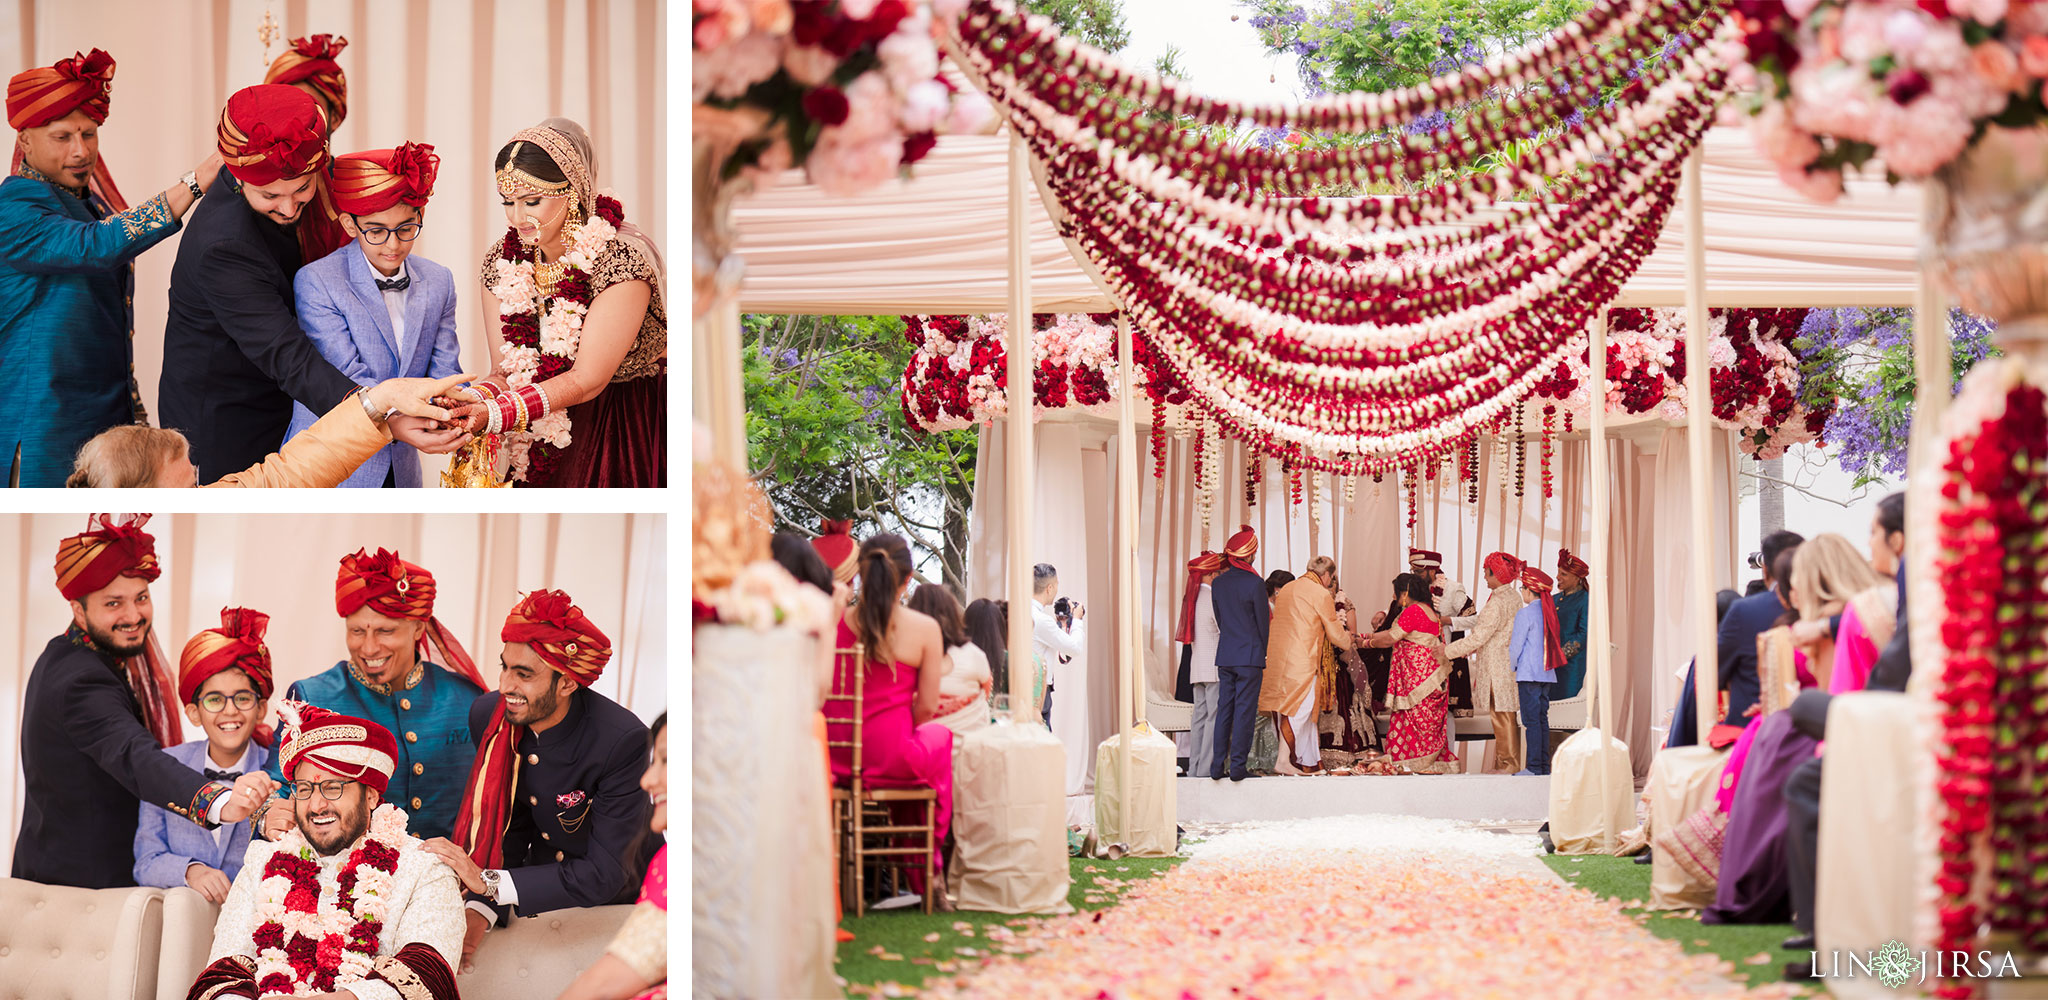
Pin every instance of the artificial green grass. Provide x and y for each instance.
(1622, 878)
(908, 958)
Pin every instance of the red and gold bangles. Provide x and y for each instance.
(516, 409)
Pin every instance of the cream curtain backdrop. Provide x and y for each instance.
(1648, 581)
(462, 75)
(614, 565)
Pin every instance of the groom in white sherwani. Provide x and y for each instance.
(347, 906)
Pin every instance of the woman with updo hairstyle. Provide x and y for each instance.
(898, 657)
(572, 297)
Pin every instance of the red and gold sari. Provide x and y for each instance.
(1418, 692)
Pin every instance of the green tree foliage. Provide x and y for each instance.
(827, 439)
(1380, 45)
(1098, 22)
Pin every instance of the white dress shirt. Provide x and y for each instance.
(1202, 663)
(1051, 642)
(394, 303)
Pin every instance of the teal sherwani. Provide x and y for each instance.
(428, 713)
(67, 320)
(1571, 628)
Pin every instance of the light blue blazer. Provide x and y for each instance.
(165, 844)
(342, 310)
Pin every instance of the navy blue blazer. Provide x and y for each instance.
(1747, 618)
(578, 813)
(1243, 617)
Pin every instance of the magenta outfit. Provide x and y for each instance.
(1855, 655)
(894, 753)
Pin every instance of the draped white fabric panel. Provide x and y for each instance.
(613, 565)
(935, 243)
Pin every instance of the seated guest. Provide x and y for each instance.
(964, 690)
(834, 544)
(1829, 578)
(635, 965)
(96, 715)
(401, 940)
(796, 555)
(553, 812)
(1198, 633)
(899, 659)
(386, 607)
(224, 680)
(1736, 645)
(135, 455)
(988, 627)
(1533, 649)
(374, 310)
(1755, 878)
(1863, 620)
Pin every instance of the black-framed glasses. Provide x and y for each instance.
(377, 236)
(214, 701)
(329, 790)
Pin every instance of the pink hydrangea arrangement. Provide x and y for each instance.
(1831, 84)
(849, 90)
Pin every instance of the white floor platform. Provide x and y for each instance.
(1450, 796)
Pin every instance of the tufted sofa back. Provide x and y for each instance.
(540, 956)
(63, 943)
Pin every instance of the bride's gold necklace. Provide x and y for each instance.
(547, 274)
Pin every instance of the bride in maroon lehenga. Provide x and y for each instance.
(1417, 685)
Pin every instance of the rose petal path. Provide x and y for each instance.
(1378, 906)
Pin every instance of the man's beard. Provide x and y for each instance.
(541, 707)
(346, 831)
(105, 640)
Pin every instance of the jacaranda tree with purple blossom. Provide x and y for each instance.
(1864, 357)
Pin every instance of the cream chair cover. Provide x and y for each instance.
(1575, 794)
(187, 940)
(1682, 779)
(539, 956)
(1009, 821)
(761, 819)
(1153, 813)
(63, 943)
(1866, 889)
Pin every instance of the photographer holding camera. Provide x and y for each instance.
(1059, 636)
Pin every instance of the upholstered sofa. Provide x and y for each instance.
(60, 943)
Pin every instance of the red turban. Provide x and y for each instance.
(310, 61)
(564, 640)
(353, 748)
(1539, 583)
(1504, 567)
(1198, 567)
(238, 642)
(89, 562)
(836, 546)
(269, 132)
(39, 96)
(370, 182)
(1424, 559)
(394, 588)
(1241, 547)
(1568, 563)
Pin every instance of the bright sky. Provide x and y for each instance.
(1223, 57)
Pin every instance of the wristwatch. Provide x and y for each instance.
(191, 180)
(491, 878)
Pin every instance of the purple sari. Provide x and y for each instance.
(1753, 887)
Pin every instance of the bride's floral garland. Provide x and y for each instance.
(1993, 534)
(306, 945)
(541, 345)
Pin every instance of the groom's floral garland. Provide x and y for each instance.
(541, 345)
(303, 944)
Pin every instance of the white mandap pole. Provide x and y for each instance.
(1017, 423)
(1599, 658)
(1129, 678)
(1699, 423)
